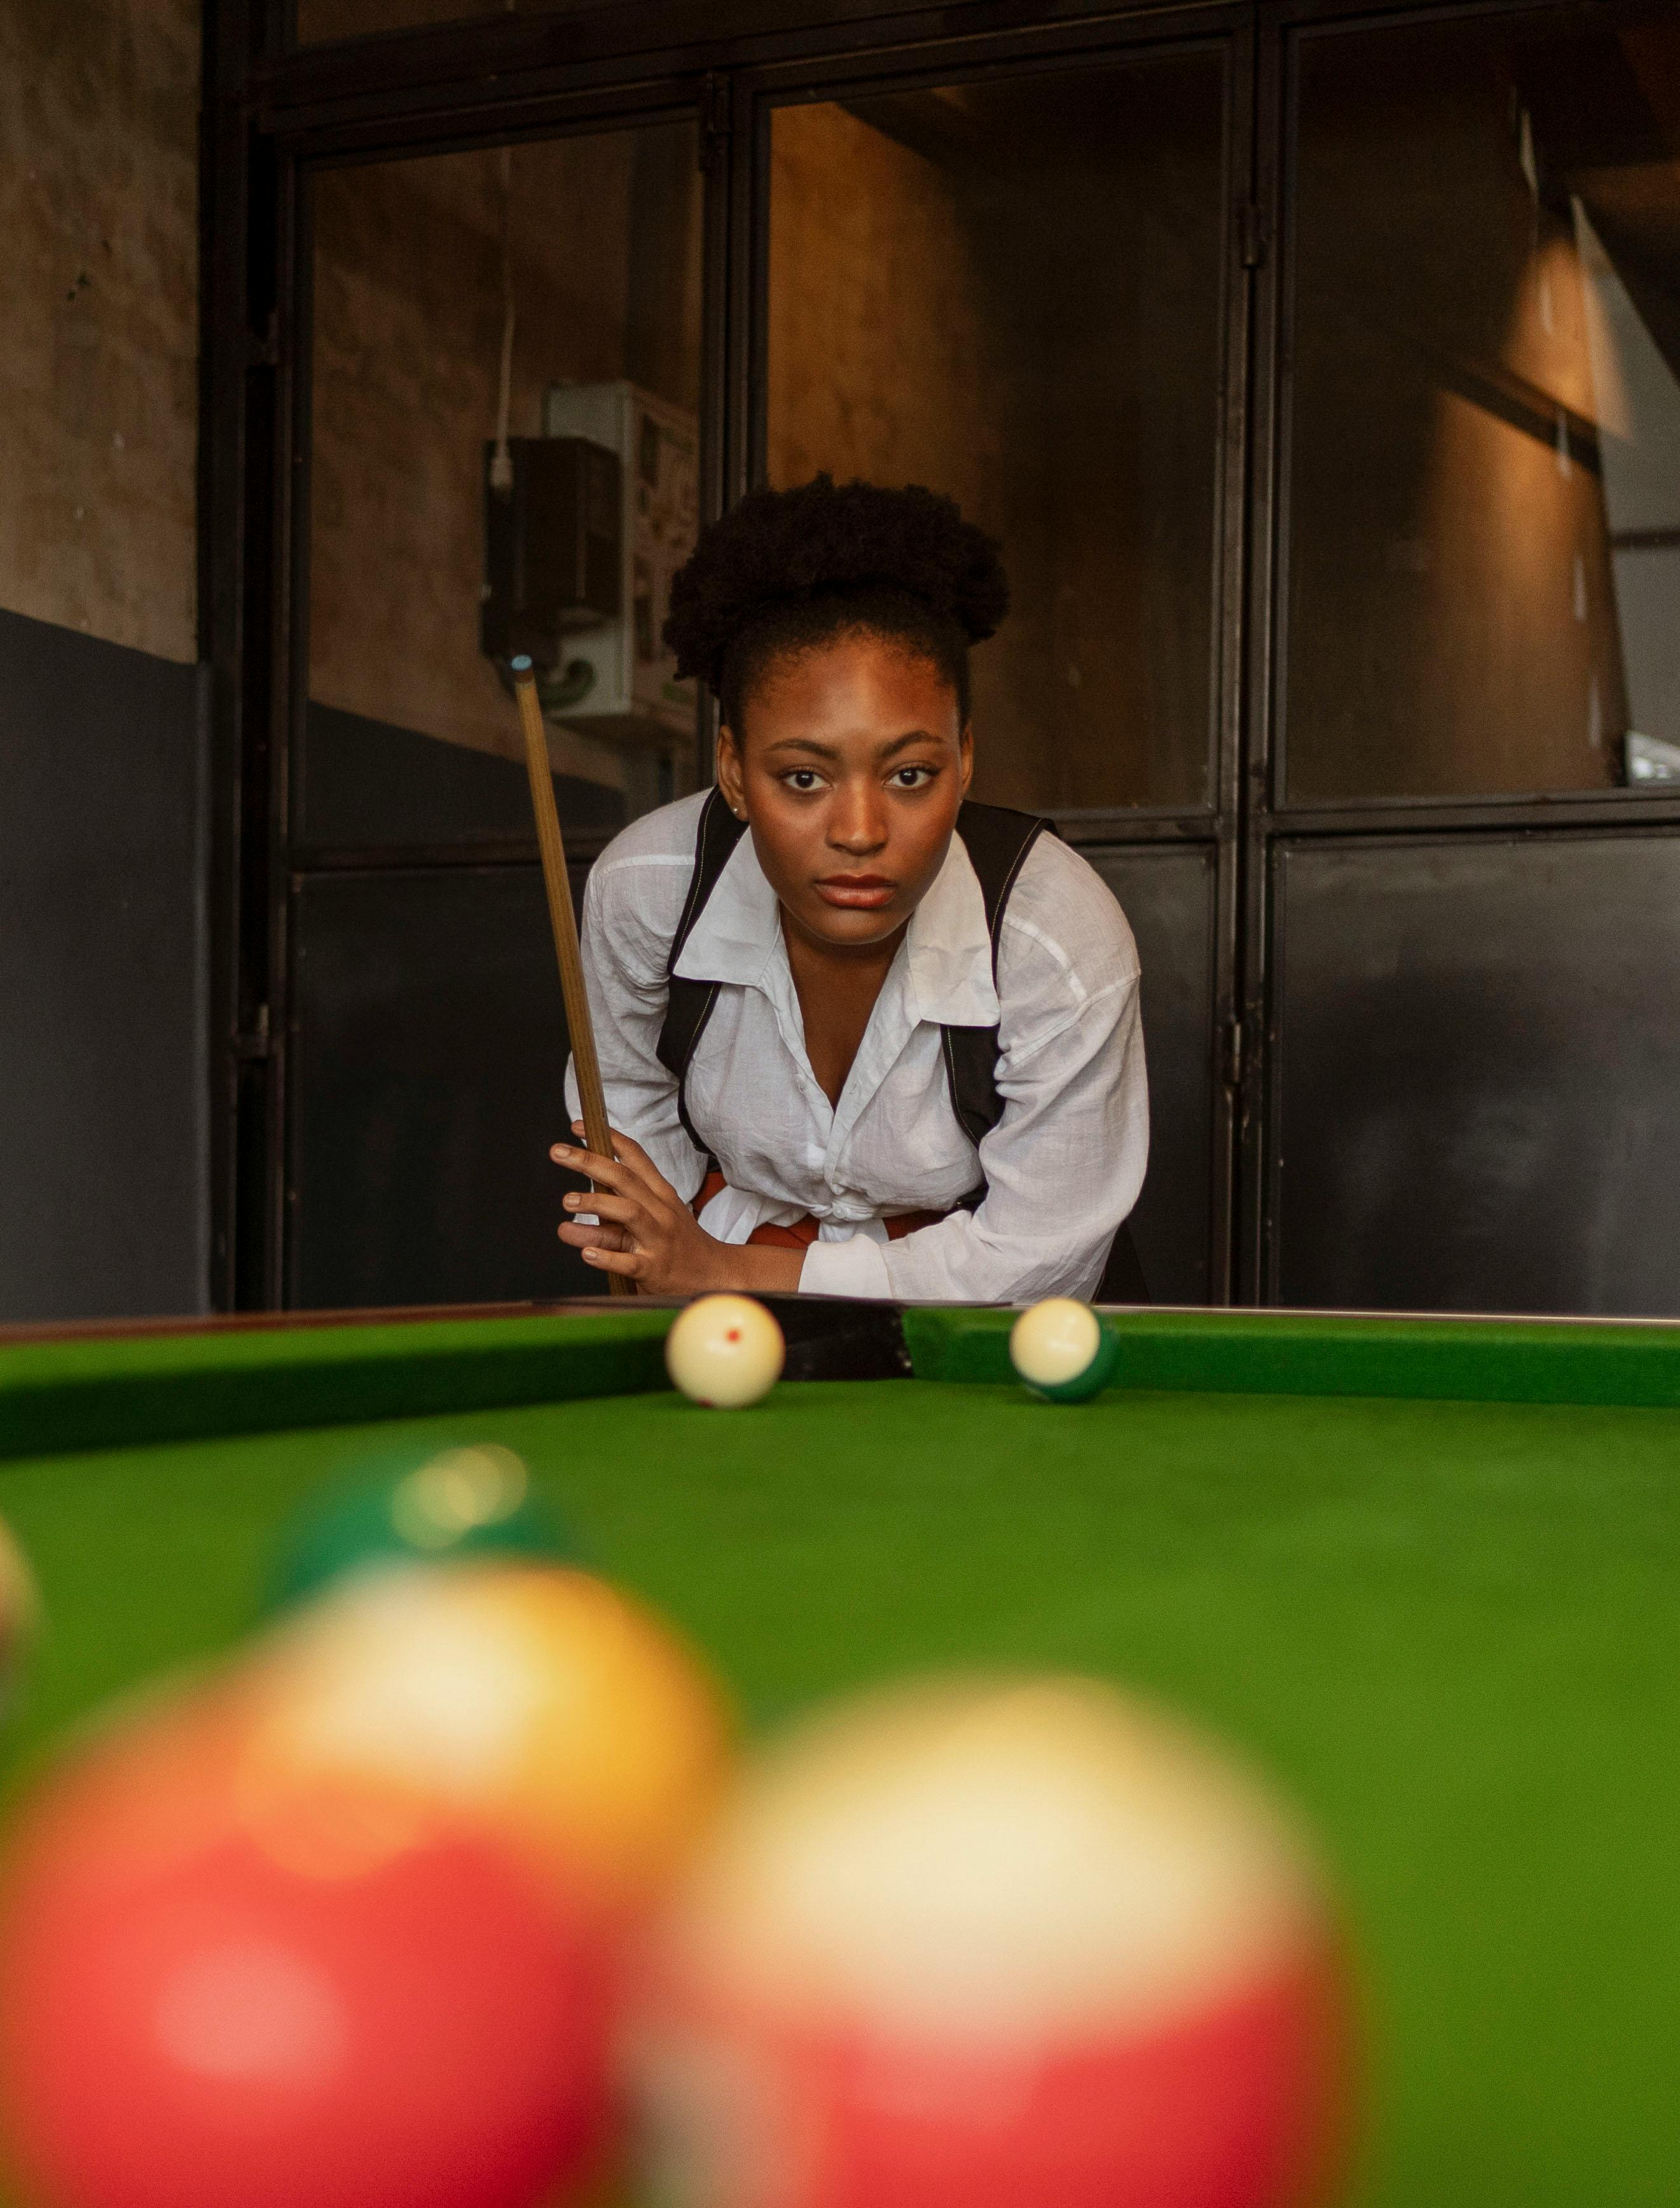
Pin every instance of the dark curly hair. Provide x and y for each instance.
(787, 571)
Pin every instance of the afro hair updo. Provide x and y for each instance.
(786, 572)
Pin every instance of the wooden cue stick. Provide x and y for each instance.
(564, 922)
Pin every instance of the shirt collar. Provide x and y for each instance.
(739, 931)
(948, 947)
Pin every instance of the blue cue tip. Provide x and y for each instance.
(520, 664)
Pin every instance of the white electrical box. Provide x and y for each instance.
(633, 697)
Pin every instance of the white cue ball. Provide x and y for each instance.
(725, 1351)
(1058, 1344)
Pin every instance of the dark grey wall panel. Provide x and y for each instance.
(1167, 891)
(104, 1176)
(1477, 1089)
(365, 783)
(430, 1049)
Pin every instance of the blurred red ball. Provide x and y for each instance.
(1020, 1944)
(1226, 2109)
(284, 2001)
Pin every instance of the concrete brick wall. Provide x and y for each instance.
(99, 342)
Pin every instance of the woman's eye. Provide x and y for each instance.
(912, 778)
(802, 778)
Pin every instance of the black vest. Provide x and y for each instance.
(997, 842)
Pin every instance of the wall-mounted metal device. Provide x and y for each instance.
(1648, 758)
(636, 701)
(553, 558)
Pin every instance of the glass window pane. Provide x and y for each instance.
(1484, 581)
(581, 259)
(1010, 291)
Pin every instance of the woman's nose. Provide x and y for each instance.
(858, 820)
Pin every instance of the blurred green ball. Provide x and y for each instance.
(416, 1506)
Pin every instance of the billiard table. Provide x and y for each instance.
(1427, 1570)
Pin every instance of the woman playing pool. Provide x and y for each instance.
(857, 1037)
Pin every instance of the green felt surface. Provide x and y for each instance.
(1333, 1354)
(94, 1390)
(1452, 1627)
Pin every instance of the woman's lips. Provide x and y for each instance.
(860, 893)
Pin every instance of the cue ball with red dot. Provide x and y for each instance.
(1062, 1350)
(725, 1351)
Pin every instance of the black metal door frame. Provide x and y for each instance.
(255, 584)
(272, 115)
(1270, 818)
(1216, 824)
(277, 118)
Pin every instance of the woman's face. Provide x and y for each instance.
(850, 770)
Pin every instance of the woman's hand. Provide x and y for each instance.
(648, 1234)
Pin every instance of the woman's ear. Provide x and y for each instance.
(729, 778)
(965, 752)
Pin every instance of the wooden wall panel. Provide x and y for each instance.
(1012, 293)
(1452, 611)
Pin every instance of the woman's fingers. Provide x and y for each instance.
(645, 1232)
(625, 1209)
(605, 1173)
(631, 1153)
(627, 1262)
(594, 1238)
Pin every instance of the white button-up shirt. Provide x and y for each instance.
(1064, 1165)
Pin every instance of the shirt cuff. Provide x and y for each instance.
(855, 1267)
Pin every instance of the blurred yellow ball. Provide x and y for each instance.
(19, 1612)
(539, 1702)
